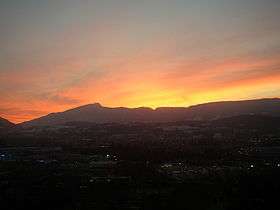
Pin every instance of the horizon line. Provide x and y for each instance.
(139, 107)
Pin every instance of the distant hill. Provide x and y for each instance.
(217, 110)
(210, 111)
(5, 123)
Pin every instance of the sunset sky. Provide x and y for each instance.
(59, 54)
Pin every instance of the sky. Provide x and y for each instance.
(60, 54)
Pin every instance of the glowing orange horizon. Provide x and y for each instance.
(130, 54)
(153, 89)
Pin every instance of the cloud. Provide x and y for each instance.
(64, 100)
(136, 54)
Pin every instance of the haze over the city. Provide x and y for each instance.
(57, 55)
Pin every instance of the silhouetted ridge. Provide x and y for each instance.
(96, 113)
(5, 123)
(216, 110)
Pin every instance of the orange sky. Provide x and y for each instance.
(55, 56)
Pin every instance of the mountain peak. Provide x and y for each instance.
(98, 114)
(87, 106)
(95, 105)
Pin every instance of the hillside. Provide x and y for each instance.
(210, 111)
(5, 123)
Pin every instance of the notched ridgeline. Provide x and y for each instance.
(223, 155)
(96, 113)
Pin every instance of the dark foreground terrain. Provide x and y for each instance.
(230, 163)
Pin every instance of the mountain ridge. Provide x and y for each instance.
(209, 111)
(4, 123)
